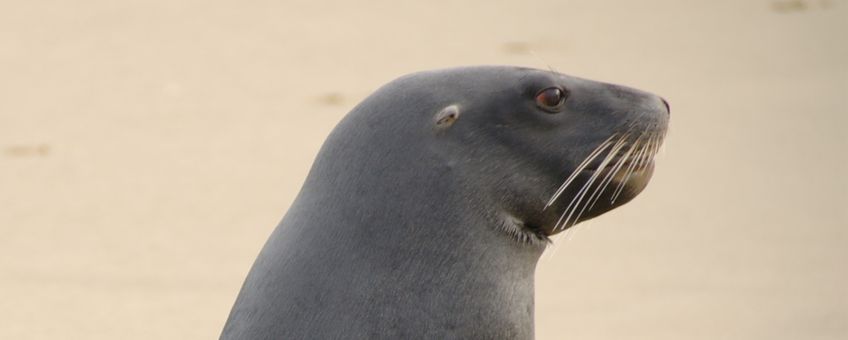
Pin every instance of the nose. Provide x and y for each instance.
(667, 108)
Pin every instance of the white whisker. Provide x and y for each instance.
(582, 193)
(646, 156)
(608, 179)
(631, 167)
(624, 156)
(594, 154)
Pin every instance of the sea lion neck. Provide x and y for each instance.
(422, 270)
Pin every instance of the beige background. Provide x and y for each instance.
(147, 149)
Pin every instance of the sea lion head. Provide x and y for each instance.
(542, 150)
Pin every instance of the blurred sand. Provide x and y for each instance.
(147, 149)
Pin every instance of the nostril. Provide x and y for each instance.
(667, 108)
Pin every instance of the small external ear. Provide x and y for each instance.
(447, 116)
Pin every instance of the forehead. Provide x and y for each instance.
(491, 78)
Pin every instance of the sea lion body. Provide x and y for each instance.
(414, 223)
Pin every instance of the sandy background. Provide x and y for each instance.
(147, 149)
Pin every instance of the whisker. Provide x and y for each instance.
(659, 148)
(602, 186)
(594, 154)
(623, 156)
(632, 166)
(655, 146)
(650, 151)
(662, 150)
(645, 159)
(582, 193)
(608, 179)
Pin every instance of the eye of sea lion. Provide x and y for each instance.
(551, 99)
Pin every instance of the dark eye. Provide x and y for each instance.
(551, 99)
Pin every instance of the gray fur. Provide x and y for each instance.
(405, 229)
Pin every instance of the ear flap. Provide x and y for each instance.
(446, 117)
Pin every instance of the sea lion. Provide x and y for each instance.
(429, 204)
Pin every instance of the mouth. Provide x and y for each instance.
(618, 169)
